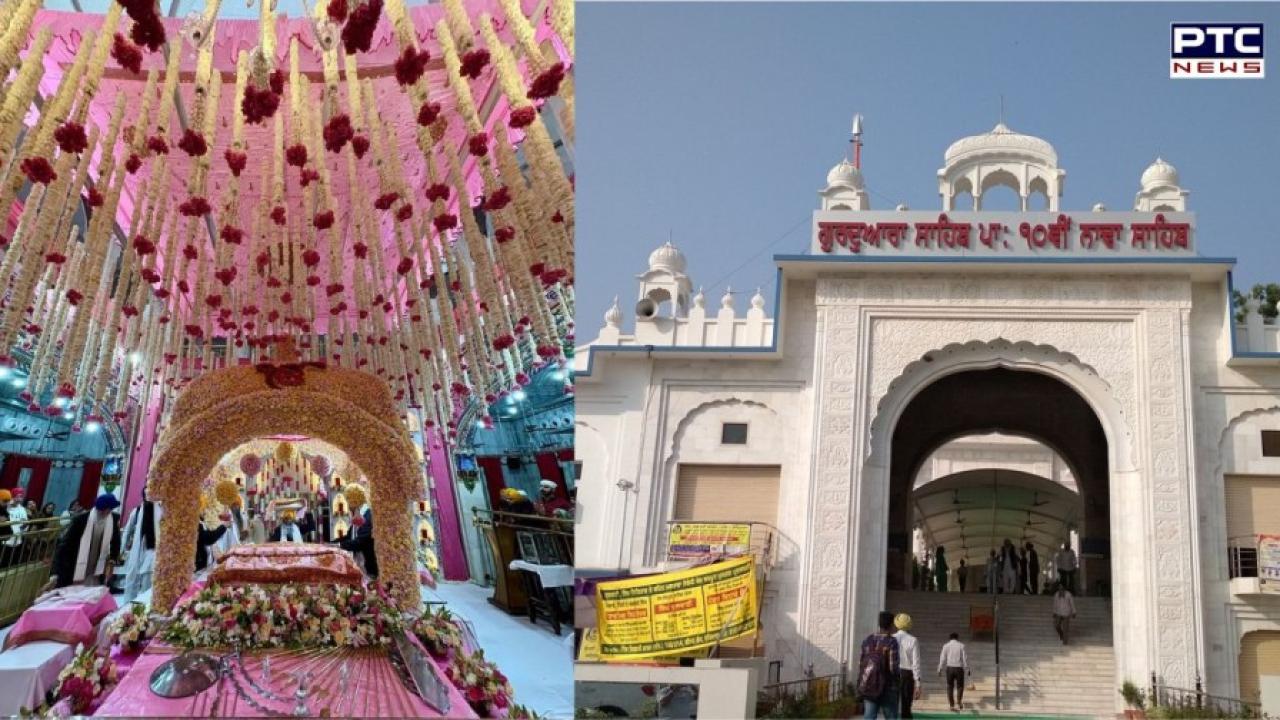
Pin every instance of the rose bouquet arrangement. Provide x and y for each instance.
(80, 684)
(482, 684)
(257, 616)
(131, 628)
(439, 633)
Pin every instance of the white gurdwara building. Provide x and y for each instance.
(952, 378)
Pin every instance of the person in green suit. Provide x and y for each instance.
(940, 569)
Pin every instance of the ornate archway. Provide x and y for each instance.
(347, 408)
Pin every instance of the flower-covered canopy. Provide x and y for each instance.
(388, 186)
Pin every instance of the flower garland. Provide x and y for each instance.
(290, 616)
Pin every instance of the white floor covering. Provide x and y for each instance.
(538, 664)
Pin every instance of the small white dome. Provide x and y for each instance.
(699, 300)
(727, 300)
(667, 258)
(846, 175)
(1099, 207)
(613, 316)
(757, 300)
(1001, 141)
(1159, 174)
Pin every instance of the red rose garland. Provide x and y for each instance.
(386, 200)
(296, 155)
(337, 132)
(478, 144)
(428, 113)
(38, 170)
(437, 191)
(357, 34)
(277, 215)
(157, 144)
(95, 198)
(324, 220)
(195, 207)
(337, 10)
(473, 62)
(133, 163)
(496, 200)
(522, 117)
(236, 161)
(547, 83)
(71, 138)
(126, 54)
(411, 65)
(193, 143)
(360, 145)
(231, 234)
(445, 221)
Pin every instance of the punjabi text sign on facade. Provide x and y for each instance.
(1269, 563)
(698, 540)
(1004, 234)
(674, 612)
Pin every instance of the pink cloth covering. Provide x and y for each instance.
(69, 615)
(374, 690)
(291, 563)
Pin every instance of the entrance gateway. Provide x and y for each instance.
(1054, 375)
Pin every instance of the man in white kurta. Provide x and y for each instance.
(140, 534)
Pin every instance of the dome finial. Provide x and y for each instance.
(668, 258)
(727, 300)
(757, 300)
(613, 316)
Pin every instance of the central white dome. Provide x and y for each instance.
(1159, 174)
(667, 258)
(1001, 141)
(845, 174)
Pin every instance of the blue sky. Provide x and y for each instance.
(717, 123)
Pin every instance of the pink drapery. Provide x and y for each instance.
(453, 559)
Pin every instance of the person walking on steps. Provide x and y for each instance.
(993, 573)
(1065, 562)
(878, 666)
(909, 687)
(955, 664)
(1033, 569)
(962, 575)
(940, 569)
(1064, 608)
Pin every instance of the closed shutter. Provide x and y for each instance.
(1253, 505)
(1259, 655)
(727, 493)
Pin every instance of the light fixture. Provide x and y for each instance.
(59, 402)
(19, 382)
(92, 426)
(479, 424)
(519, 395)
(5, 372)
(135, 357)
(68, 415)
(557, 375)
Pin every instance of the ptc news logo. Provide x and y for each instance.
(1216, 50)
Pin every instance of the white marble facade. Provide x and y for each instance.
(1148, 346)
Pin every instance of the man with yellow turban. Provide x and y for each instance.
(909, 665)
(287, 530)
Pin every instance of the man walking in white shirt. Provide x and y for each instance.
(956, 664)
(908, 665)
(1064, 561)
(1064, 608)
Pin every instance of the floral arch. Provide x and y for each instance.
(350, 409)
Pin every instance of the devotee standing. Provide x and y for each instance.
(1064, 561)
(287, 530)
(1033, 568)
(257, 528)
(956, 664)
(1064, 608)
(18, 515)
(962, 575)
(1023, 586)
(70, 513)
(87, 550)
(361, 541)
(515, 500)
(549, 504)
(8, 546)
(993, 573)
(940, 568)
(204, 538)
(230, 538)
(49, 510)
(140, 546)
(909, 687)
(878, 666)
(1010, 567)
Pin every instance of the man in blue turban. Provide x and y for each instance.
(87, 551)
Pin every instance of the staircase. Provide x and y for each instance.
(1038, 674)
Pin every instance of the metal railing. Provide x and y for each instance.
(1242, 556)
(818, 690)
(1204, 704)
(26, 558)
